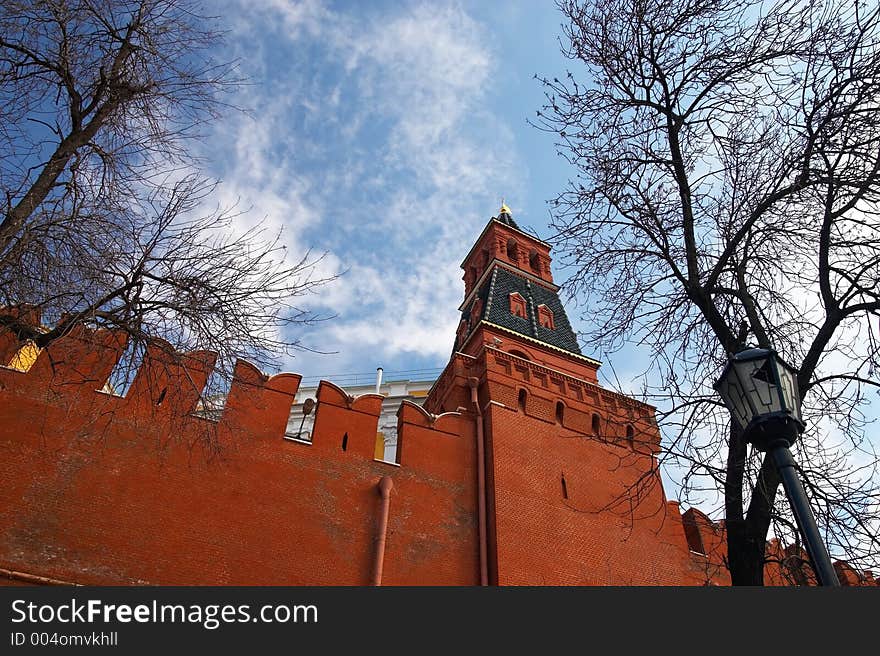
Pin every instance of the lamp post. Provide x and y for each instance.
(308, 406)
(761, 392)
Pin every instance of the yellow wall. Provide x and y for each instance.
(25, 357)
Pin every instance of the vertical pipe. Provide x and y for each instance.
(481, 482)
(385, 486)
(806, 522)
(378, 379)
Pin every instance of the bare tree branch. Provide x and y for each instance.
(106, 217)
(727, 190)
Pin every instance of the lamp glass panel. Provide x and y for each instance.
(759, 382)
(735, 399)
(788, 384)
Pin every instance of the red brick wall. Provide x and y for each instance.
(101, 489)
(98, 489)
(593, 537)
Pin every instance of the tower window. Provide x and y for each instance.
(564, 487)
(534, 261)
(522, 400)
(560, 412)
(545, 317)
(517, 305)
(512, 250)
(596, 425)
(630, 434)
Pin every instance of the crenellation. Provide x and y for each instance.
(80, 360)
(168, 382)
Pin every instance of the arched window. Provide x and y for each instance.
(534, 261)
(630, 434)
(519, 354)
(522, 400)
(512, 250)
(560, 412)
(596, 425)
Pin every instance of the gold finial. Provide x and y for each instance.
(504, 209)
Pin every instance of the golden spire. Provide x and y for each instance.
(504, 209)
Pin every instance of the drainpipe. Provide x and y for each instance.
(378, 379)
(481, 482)
(385, 486)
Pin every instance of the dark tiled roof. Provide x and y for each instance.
(495, 298)
(506, 219)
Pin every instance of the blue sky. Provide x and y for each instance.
(386, 134)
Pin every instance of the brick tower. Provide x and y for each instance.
(568, 487)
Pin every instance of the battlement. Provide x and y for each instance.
(168, 387)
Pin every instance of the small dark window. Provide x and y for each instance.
(522, 400)
(596, 425)
(512, 250)
(534, 262)
(345, 442)
(162, 396)
(564, 488)
(560, 411)
(630, 434)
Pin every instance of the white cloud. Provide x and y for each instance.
(371, 136)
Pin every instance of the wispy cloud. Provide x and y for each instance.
(372, 135)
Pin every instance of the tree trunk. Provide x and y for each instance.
(747, 537)
(745, 554)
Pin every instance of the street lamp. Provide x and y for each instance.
(761, 392)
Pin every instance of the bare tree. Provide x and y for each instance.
(103, 216)
(728, 192)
